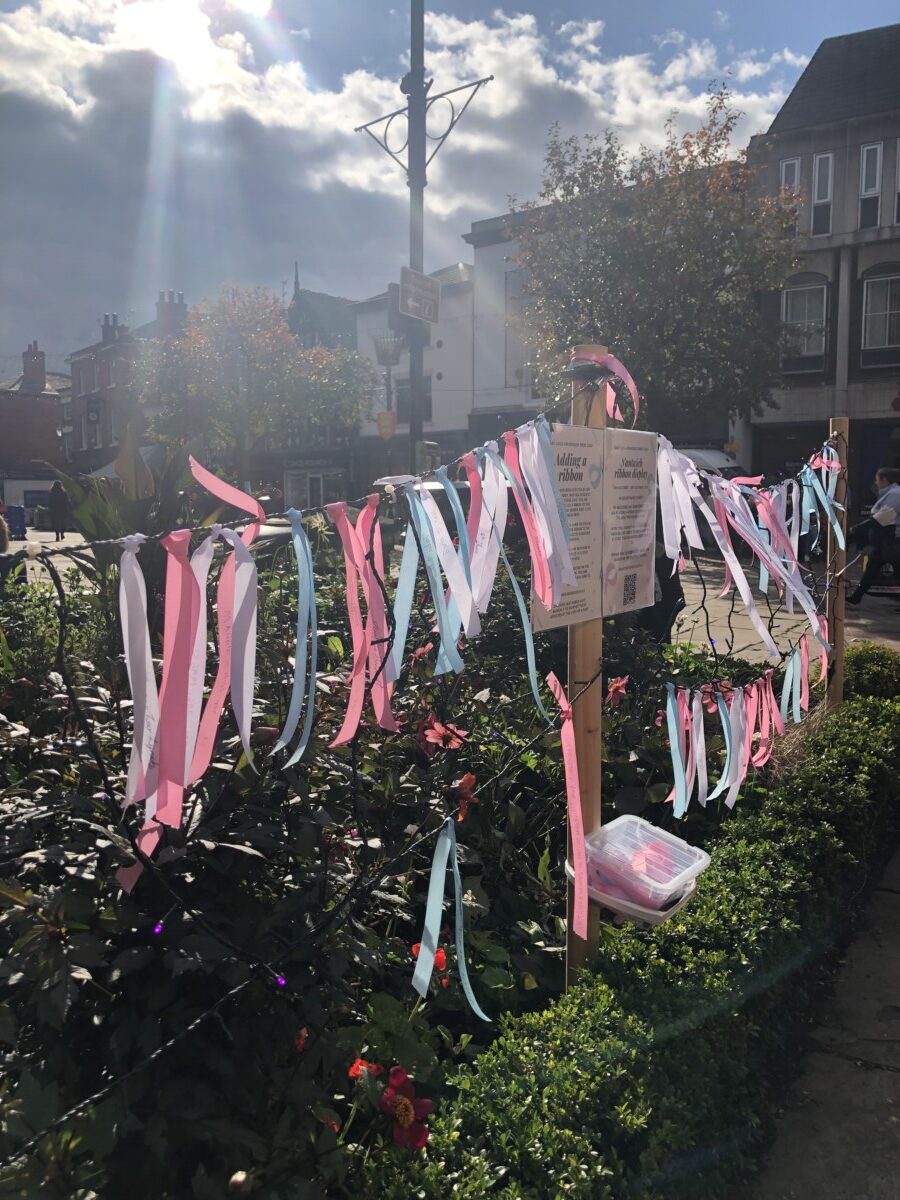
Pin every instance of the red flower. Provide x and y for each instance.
(433, 734)
(422, 652)
(300, 1040)
(440, 956)
(399, 1102)
(461, 792)
(660, 717)
(615, 693)
(360, 1065)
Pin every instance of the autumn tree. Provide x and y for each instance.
(664, 256)
(237, 375)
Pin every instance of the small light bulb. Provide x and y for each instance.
(158, 928)
(281, 981)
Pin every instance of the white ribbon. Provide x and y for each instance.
(201, 560)
(491, 527)
(141, 678)
(451, 565)
(243, 641)
(698, 741)
(739, 754)
(536, 476)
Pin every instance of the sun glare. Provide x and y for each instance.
(253, 8)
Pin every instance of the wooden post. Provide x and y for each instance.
(839, 433)
(585, 653)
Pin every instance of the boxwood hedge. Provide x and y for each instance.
(656, 1076)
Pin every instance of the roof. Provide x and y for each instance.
(56, 383)
(857, 75)
(326, 315)
(496, 229)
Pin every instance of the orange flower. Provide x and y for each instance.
(440, 956)
(461, 792)
(360, 1065)
(615, 693)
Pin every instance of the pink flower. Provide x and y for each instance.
(434, 734)
(422, 652)
(660, 717)
(615, 693)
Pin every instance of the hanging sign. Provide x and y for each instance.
(629, 520)
(386, 423)
(578, 454)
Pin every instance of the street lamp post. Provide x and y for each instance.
(388, 349)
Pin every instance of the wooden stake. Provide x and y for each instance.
(585, 653)
(839, 433)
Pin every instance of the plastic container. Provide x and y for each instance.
(635, 861)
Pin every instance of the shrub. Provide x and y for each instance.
(871, 670)
(653, 1078)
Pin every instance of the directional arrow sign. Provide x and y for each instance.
(420, 295)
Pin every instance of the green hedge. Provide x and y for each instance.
(655, 1078)
(871, 670)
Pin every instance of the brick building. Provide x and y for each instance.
(836, 141)
(32, 413)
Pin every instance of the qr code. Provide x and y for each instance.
(629, 588)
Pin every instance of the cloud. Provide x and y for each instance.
(180, 143)
(721, 18)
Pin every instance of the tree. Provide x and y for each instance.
(664, 257)
(237, 374)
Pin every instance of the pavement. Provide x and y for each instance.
(838, 1137)
(876, 619)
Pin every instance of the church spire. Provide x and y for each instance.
(296, 280)
(293, 312)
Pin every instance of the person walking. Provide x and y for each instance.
(879, 533)
(58, 503)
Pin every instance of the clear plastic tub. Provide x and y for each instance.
(632, 859)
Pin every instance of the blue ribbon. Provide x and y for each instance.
(446, 843)
(680, 805)
(307, 623)
(545, 441)
(520, 601)
(790, 689)
(722, 785)
(403, 599)
(827, 504)
(448, 658)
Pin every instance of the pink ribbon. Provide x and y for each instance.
(573, 800)
(611, 363)
(543, 584)
(682, 699)
(823, 628)
(824, 464)
(215, 704)
(751, 708)
(473, 520)
(368, 533)
(182, 607)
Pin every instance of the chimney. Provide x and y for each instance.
(34, 371)
(171, 313)
(106, 335)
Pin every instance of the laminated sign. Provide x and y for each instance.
(607, 480)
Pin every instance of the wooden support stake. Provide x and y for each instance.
(839, 433)
(585, 653)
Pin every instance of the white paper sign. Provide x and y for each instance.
(629, 520)
(578, 452)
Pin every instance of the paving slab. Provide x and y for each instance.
(838, 1137)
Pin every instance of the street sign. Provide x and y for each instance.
(386, 423)
(420, 295)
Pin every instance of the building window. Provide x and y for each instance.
(84, 426)
(65, 413)
(823, 173)
(869, 185)
(67, 447)
(402, 394)
(803, 314)
(790, 174)
(881, 313)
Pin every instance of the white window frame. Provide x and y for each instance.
(815, 199)
(868, 193)
(866, 314)
(785, 162)
(876, 190)
(807, 287)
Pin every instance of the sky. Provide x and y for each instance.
(185, 144)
